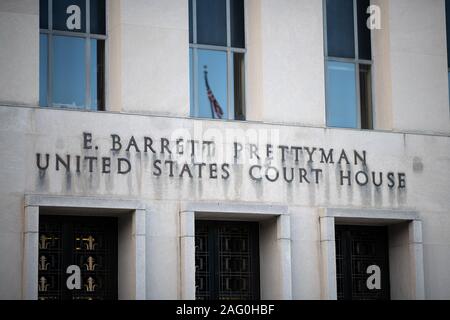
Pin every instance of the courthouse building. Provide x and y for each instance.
(224, 149)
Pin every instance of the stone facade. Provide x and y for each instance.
(282, 167)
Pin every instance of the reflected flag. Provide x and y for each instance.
(216, 110)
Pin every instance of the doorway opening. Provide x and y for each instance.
(227, 260)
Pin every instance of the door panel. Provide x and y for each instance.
(88, 246)
(227, 260)
(362, 266)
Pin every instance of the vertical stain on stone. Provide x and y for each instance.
(311, 187)
(366, 191)
(290, 192)
(259, 189)
(138, 171)
(157, 184)
(349, 187)
(200, 188)
(401, 197)
(378, 196)
(392, 197)
(337, 174)
(109, 182)
(68, 181)
(237, 176)
(42, 182)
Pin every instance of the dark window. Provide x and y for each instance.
(212, 22)
(97, 17)
(86, 243)
(65, 12)
(43, 14)
(447, 15)
(340, 28)
(191, 25)
(365, 89)
(364, 38)
(72, 54)
(362, 265)
(237, 23)
(217, 59)
(226, 260)
(348, 64)
(239, 88)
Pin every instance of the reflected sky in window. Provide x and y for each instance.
(191, 81)
(216, 66)
(341, 95)
(93, 71)
(69, 72)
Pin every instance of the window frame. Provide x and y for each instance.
(87, 37)
(447, 27)
(194, 110)
(356, 61)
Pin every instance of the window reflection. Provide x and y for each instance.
(69, 72)
(341, 95)
(72, 64)
(348, 55)
(216, 58)
(191, 81)
(212, 71)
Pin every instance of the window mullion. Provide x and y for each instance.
(358, 97)
(325, 26)
(194, 21)
(358, 89)
(196, 79)
(88, 57)
(228, 8)
(355, 28)
(229, 60)
(195, 60)
(50, 55)
(230, 84)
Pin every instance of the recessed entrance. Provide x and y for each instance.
(77, 258)
(226, 260)
(362, 266)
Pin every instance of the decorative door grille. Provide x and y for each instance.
(358, 248)
(226, 260)
(87, 242)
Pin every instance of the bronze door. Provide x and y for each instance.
(226, 260)
(362, 266)
(77, 258)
